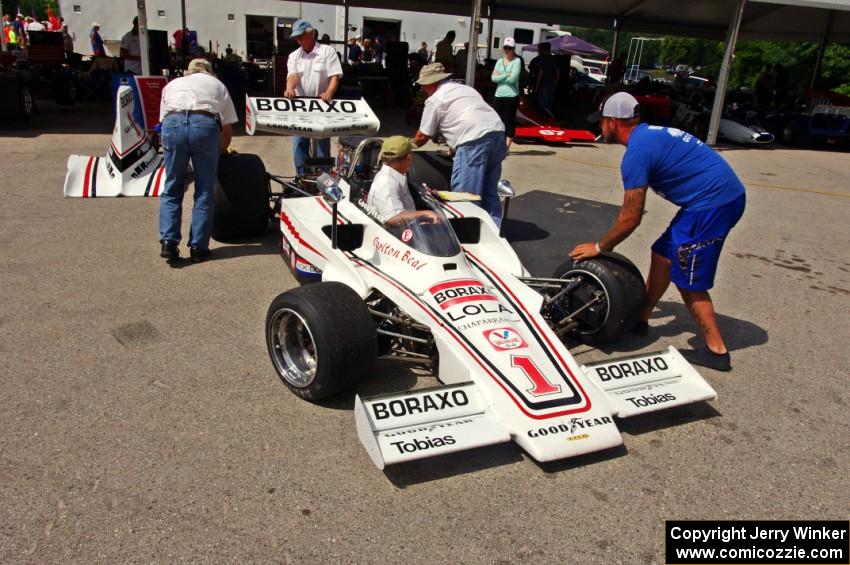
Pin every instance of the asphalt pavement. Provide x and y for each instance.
(141, 419)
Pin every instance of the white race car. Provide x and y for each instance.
(454, 296)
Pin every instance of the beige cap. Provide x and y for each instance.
(435, 72)
(396, 147)
(199, 66)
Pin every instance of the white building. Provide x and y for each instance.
(249, 26)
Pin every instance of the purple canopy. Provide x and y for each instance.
(570, 45)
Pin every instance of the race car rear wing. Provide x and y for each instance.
(310, 117)
(423, 423)
(646, 383)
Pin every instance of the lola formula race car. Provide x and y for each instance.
(451, 296)
(454, 297)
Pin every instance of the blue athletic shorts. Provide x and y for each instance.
(693, 242)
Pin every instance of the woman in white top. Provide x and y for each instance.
(506, 76)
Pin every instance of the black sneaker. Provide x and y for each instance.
(169, 250)
(641, 329)
(199, 255)
(707, 358)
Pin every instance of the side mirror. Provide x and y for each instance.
(505, 189)
(330, 188)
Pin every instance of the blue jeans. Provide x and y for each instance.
(546, 97)
(477, 168)
(185, 137)
(301, 150)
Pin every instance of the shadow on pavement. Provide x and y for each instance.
(565, 220)
(668, 418)
(738, 334)
(582, 460)
(389, 377)
(531, 153)
(452, 464)
(267, 244)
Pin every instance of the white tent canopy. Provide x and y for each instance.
(727, 20)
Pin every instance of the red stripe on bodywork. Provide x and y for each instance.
(454, 284)
(158, 180)
(285, 219)
(462, 299)
(87, 180)
(451, 332)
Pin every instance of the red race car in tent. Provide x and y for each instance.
(535, 126)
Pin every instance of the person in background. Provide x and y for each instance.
(506, 76)
(379, 50)
(355, 54)
(96, 41)
(444, 52)
(471, 127)
(67, 40)
(314, 70)
(368, 52)
(197, 117)
(423, 51)
(130, 50)
(546, 76)
(326, 39)
(34, 25)
(461, 58)
(682, 169)
(19, 26)
(10, 37)
(389, 194)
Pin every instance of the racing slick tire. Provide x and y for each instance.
(621, 289)
(321, 339)
(242, 197)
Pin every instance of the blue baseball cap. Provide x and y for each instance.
(299, 27)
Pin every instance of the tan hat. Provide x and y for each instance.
(435, 72)
(199, 66)
(396, 147)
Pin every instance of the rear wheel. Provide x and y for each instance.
(321, 339)
(241, 198)
(612, 293)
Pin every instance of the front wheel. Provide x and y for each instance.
(607, 301)
(321, 339)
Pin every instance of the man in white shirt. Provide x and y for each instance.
(312, 70)
(130, 50)
(197, 117)
(471, 127)
(389, 194)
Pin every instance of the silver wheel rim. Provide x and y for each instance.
(601, 286)
(293, 348)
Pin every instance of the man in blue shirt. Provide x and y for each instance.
(682, 169)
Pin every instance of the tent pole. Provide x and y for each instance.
(822, 49)
(345, 33)
(723, 78)
(143, 38)
(184, 40)
(616, 38)
(490, 30)
(472, 52)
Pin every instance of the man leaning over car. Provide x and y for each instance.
(197, 117)
(688, 173)
(471, 127)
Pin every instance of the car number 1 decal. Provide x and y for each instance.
(540, 385)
